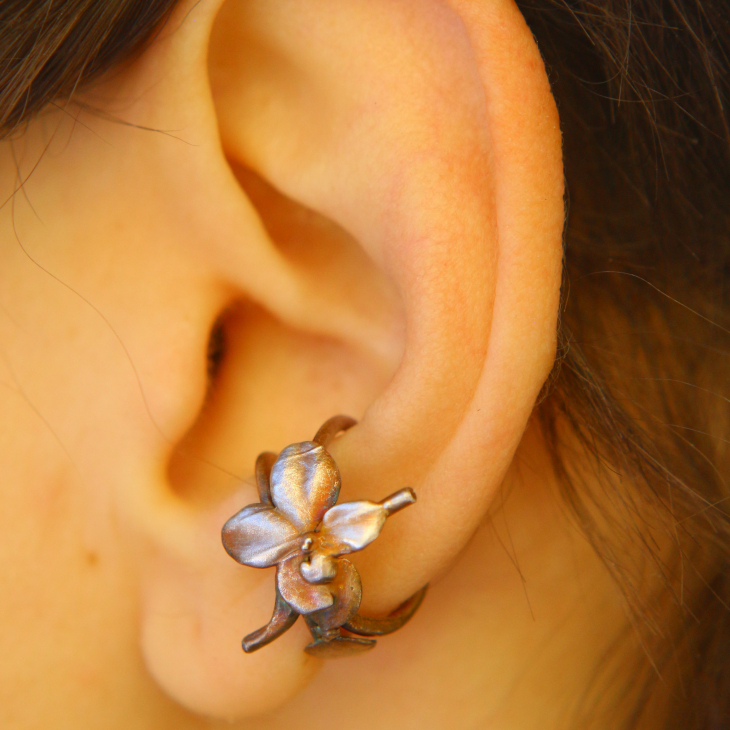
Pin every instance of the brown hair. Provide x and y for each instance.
(49, 49)
(642, 87)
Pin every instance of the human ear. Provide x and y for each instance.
(414, 148)
(438, 149)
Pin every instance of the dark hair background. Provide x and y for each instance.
(638, 390)
(49, 49)
(642, 88)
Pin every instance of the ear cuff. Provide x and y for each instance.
(298, 527)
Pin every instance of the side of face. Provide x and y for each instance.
(366, 198)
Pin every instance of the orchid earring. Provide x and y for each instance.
(298, 527)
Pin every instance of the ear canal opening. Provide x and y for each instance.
(217, 346)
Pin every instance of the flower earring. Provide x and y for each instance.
(298, 527)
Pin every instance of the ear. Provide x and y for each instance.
(438, 149)
(405, 160)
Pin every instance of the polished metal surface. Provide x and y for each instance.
(297, 527)
(366, 626)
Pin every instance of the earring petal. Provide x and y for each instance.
(259, 536)
(305, 483)
(353, 525)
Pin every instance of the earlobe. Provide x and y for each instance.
(426, 133)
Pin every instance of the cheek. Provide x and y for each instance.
(102, 365)
(66, 604)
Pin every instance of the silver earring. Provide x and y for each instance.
(298, 527)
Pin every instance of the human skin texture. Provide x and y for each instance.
(369, 197)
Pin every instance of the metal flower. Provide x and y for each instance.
(298, 527)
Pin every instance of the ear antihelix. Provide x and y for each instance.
(297, 527)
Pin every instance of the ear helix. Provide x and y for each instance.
(298, 527)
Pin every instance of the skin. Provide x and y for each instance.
(369, 196)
